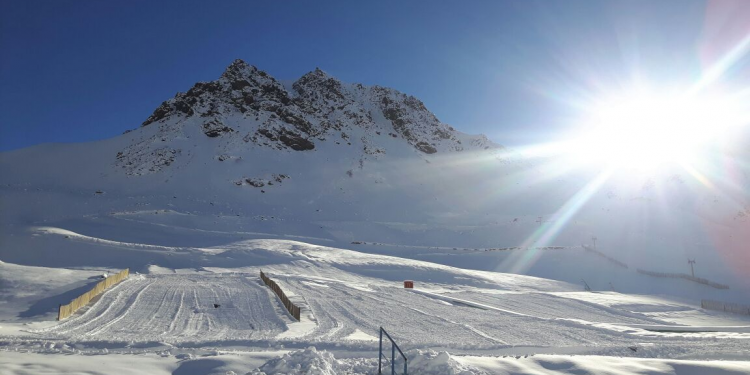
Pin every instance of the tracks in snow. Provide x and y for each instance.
(422, 321)
(175, 308)
(179, 308)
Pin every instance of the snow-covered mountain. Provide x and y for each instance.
(340, 192)
(373, 169)
(247, 109)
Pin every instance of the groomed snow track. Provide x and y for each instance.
(345, 309)
(174, 308)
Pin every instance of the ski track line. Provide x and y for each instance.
(575, 332)
(478, 332)
(116, 295)
(149, 323)
(550, 306)
(128, 308)
(177, 313)
(349, 317)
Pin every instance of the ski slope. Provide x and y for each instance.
(169, 308)
(346, 296)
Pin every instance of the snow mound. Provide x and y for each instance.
(309, 361)
(430, 362)
(314, 362)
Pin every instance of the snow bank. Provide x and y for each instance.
(598, 365)
(430, 362)
(314, 362)
(309, 361)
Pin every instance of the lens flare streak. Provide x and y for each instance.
(548, 231)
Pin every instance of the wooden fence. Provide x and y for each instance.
(734, 308)
(68, 310)
(685, 276)
(605, 256)
(292, 308)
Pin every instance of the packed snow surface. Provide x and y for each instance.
(346, 296)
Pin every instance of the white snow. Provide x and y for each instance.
(492, 240)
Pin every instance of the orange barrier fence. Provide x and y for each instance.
(68, 310)
(292, 308)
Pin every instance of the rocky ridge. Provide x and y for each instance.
(246, 108)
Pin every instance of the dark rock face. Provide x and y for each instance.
(164, 110)
(242, 88)
(259, 182)
(255, 182)
(215, 128)
(425, 147)
(295, 141)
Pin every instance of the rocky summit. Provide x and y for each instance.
(248, 108)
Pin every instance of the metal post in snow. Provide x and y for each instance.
(380, 351)
(393, 358)
(691, 261)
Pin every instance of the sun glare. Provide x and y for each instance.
(645, 130)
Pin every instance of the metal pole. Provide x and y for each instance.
(393, 358)
(380, 351)
(692, 272)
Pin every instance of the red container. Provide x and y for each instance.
(409, 284)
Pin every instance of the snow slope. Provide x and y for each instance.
(346, 296)
(340, 192)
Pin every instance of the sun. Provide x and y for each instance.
(643, 130)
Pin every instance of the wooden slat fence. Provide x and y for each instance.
(68, 310)
(734, 308)
(291, 307)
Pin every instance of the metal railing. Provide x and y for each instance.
(394, 347)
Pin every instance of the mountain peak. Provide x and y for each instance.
(319, 72)
(318, 82)
(239, 63)
(240, 70)
(246, 108)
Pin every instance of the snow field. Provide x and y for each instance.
(346, 296)
(178, 309)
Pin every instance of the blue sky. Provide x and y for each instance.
(74, 71)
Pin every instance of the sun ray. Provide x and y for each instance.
(547, 231)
